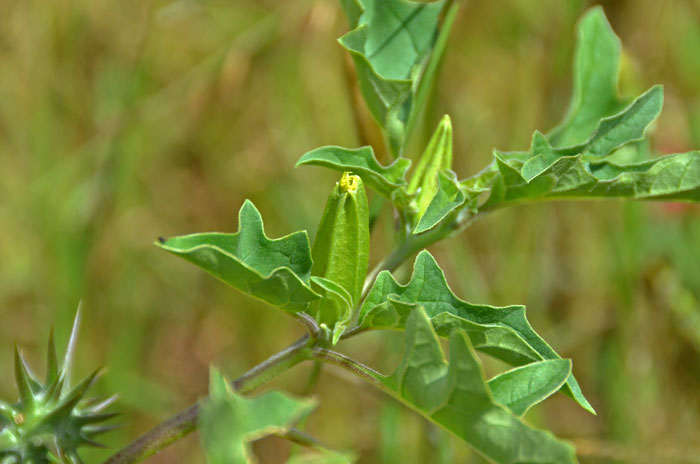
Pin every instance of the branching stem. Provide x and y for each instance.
(349, 364)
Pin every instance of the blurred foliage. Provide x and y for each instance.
(121, 122)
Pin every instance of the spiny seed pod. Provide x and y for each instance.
(436, 157)
(341, 247)
(51, 420)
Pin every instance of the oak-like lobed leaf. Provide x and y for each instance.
(502, 332)
(229, 422)
(611, 133)
(670, 177)
(361, 161)
(276, 271)
(456, 396)
(627, 126)
(579, 158)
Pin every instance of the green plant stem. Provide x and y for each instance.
(308, 322)
(185, 422)
(349, 364)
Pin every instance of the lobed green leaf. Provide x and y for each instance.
(671, 177)
(276, 271)
(611, 133)
(228, 422)
(502, 332)
(455, 395)
(361, 161)
(627, 126)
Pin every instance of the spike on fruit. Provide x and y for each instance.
(51, 420)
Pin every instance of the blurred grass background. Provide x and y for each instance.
(124, 121)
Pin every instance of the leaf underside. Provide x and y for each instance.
(455, 395)
(501, 332)
(523, 387)
(362, 162)
(276, 271)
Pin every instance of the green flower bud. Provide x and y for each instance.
(341, 252)
(436, 157)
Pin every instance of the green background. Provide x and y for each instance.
(124, 121)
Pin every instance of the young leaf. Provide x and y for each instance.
(502, 332)
(596, 70)
(523, 387)
(361, 161)
(228, 422)
(627, 126)
(455, 396)
(390, 48)
(612, 133)
(276, 271)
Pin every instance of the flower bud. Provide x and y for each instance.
(436, 157)
(341, 248)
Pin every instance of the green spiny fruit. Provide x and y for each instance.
(341, 253)
(51, 420)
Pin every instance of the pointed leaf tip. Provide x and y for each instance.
(595, 75)
(523, 387)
